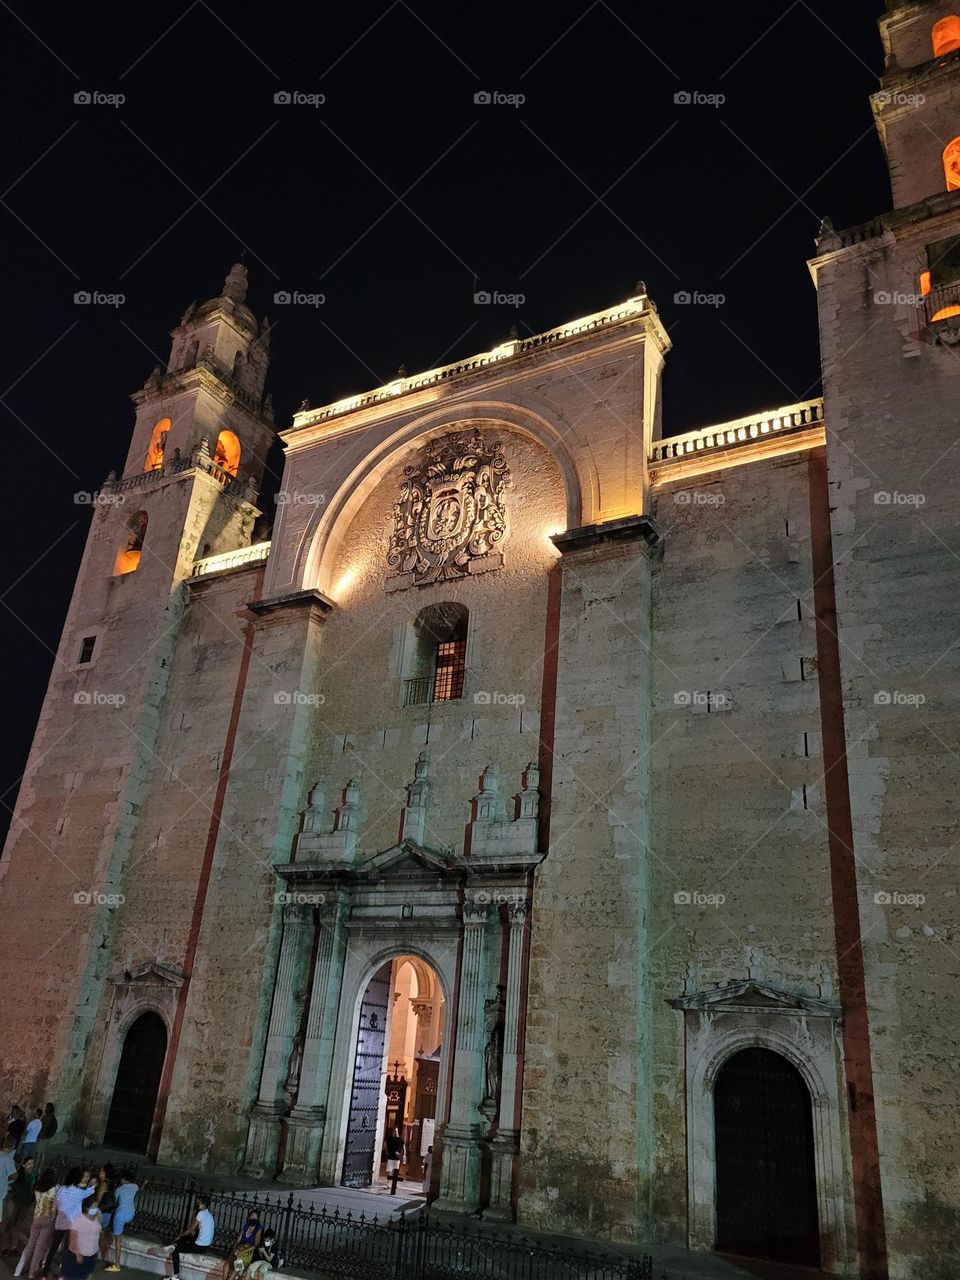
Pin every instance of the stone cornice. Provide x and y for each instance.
(627, 529)
(292, 601)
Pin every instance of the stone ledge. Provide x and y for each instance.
(593, 535)
(138, 1254)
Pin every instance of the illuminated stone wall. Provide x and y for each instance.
(891, 409)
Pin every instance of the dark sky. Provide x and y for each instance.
(390, 199)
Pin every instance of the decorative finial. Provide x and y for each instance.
(235, 285)
(513, 335)
(304, 406)
(640, 289)
(402, 371)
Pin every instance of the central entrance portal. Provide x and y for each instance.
(395, 1070)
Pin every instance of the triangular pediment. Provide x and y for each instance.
(405, 857)
(750, 994)
(151, 974)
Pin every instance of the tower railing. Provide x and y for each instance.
(742, 431)
(231, 560)
(200, 460)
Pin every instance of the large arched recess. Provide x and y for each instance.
(321, 541)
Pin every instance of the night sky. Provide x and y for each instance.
(396, 199)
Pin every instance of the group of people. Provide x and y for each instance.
(252, 1254)
(70, 1225)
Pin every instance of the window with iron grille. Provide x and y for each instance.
(436, 667)
(451, 664)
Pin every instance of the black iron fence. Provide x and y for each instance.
(356, 1247)
(346, 1246)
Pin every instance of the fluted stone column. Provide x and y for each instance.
(506, 1144)
(460, 1172)
(263, 1136)
(307, 1120)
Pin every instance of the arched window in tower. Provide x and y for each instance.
(951, 164)
(238, 363)
(440, 654)
(128, 557)
(227, 452)
(946, 35)
(158, 443)
(193, 350)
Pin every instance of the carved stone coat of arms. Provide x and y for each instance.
(450, 515)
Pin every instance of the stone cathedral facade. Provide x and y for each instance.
(579, 801)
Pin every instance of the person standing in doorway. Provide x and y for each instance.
(427, 1166)
(394, 1145)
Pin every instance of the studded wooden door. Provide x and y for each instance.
(360, 1155)
(766, 1172)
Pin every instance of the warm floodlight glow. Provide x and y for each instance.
(227, 452)
(951, 164)
(158, 442)
(946, 35)
(946, 313)
(925, 283)
(344, 583)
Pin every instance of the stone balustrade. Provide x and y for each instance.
(231, 560)
(742, 431)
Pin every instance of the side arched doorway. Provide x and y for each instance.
(766, 1169)
(138, 1082)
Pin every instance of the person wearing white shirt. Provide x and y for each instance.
(197, 1238)
(28, 1147)
(79, 1186)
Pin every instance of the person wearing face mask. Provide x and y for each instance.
(83, 1250)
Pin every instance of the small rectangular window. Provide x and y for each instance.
(451, 664)
(87, 645)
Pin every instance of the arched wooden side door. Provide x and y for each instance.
(138, 1082)
(766, 1170)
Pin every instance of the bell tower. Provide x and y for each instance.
(109, 734)
(883, 509)
(917, 109)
